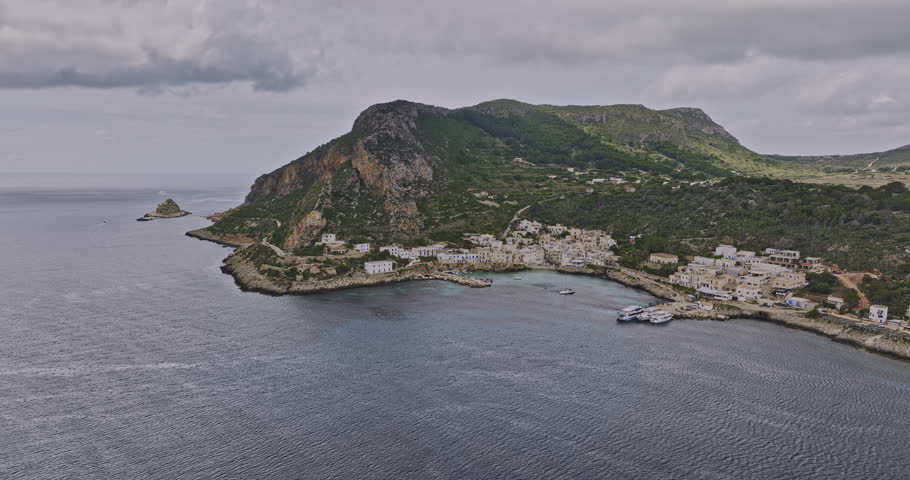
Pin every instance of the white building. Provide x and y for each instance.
(380, 266)
(328, 238)
(485, 239)
(878, 313)
(362, 247)
(530, 226)
(429, 251)
(556, 229)
(726, 251)
(745, 293)
(394, 250)
(703, 260)
(663, 258)
(838, 302)
(802, 303)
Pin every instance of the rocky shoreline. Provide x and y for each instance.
(204, 234)
(166, 209)
(250, 279)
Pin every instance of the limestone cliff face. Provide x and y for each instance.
(299, 174)
(391, 168)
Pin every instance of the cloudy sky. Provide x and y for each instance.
(247, 85)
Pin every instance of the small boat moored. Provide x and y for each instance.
(630, 313)
(567, 291)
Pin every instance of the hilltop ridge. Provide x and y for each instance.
(414, 173)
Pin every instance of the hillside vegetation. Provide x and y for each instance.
(857, 229)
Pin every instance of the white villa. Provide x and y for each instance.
(878, 313)
(726, 251)
(838, 302)
(799, 302)
(530, 226)
(362, 247)
(663, 258)
(328, 238)
(379, 266)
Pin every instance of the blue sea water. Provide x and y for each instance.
(126, 353)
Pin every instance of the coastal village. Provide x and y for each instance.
(531, 245)
(770, 278)
(728, 282)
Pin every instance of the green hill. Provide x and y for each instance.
(414, 173)
(897, 159)
(687, 135)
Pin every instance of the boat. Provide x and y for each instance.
(660, 316)
(516, 277)
(567, 291)
(646, 314)
(630, 313)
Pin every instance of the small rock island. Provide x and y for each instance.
(166, 209)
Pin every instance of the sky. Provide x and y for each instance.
(244, 86)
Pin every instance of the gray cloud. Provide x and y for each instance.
(788, 76)
(146, 44)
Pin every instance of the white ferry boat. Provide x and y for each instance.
(647, 313)
(630, 313)
(660, 316)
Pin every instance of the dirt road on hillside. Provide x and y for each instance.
(853, 280)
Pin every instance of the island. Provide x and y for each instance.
(654, 199)
(165, 209)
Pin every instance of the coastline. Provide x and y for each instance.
(204, 234)
(865, 336)
(249, 278)
(868, 337)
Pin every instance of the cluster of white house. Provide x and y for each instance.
(531, 244)
(745, 276)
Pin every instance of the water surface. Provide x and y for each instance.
(125, 353)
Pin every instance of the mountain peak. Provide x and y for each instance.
(395, 114)
(696, 119)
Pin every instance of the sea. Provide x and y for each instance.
(125, 353)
